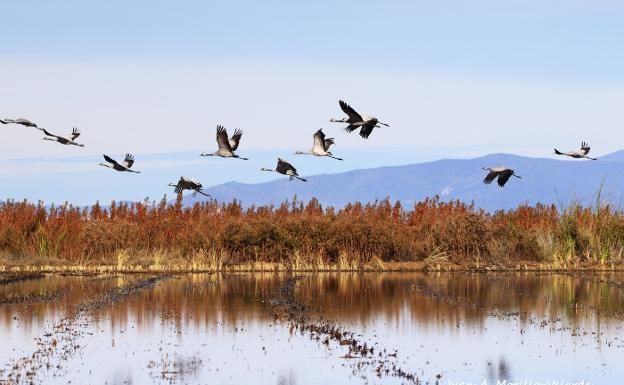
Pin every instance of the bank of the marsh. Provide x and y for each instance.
(433, 235)
(10, 273)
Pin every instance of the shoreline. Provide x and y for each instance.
(267, 267)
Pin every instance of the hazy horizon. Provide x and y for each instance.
(100, 184)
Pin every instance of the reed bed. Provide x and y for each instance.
(297, 236)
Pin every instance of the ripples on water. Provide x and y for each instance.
(215, 329)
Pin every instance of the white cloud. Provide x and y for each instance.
(20, 167)
(154, 107)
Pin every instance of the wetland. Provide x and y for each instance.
(311, 328)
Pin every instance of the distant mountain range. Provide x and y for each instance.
(551, 181)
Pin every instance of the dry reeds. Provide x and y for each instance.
(213, 236)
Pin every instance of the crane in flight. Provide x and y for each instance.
(227, 146)
(69, 140)
(321, 146)
(22, 121)
(582, 153)
(355, 121)
(502, 173)
(188, 184)
(285, 168)
(124, 166)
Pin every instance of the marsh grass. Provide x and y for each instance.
(293, 236)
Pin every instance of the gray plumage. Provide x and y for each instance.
(321, 146)
(227, 146)
(355, 121)
(582, 153)
(22, 121)
(285, 168)
(70, 140)
(188, 184)
(502, 173)
(126, 165)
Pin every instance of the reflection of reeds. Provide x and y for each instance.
(232, 298)
(293, 236)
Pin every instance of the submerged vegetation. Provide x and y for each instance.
(381, 235)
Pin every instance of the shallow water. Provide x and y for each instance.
(217, 329)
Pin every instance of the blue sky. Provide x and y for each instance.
(453, 78)
(564, 40)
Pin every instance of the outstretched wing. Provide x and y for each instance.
(490, 177)
(504, 176)
(351, 127)
(283, 167)
(24, 122)
(128, 161)
(347, 109)
(181, 185)
(585, 148)
(222, 139)
(366, 130)
(48, 133)
(192, 183)
(235, 139)
(328, 143)
(319, 139)
(75, 133)
(110, 160)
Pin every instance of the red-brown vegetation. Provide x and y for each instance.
(441, 232)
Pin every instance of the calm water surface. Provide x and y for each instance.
(216, 329)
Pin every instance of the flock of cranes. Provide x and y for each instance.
(502, 174)
(228, 145)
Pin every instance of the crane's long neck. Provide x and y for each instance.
(105, 165)
(267, 169)
(208, 154)
(304, 153)
(343, 120)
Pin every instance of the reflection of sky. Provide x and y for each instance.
(225, 326)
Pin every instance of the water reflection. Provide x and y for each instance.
(191, 328)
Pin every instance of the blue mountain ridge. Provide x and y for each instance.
(549, 181)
